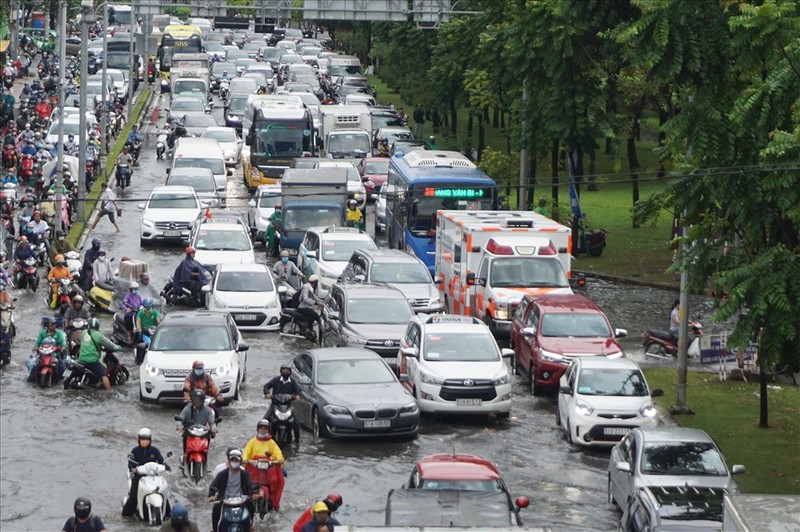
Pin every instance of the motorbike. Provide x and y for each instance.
(37, 241)
(295, 324)
(10, 192)
(152, 495)
(234, 516)
(140, 349)
(28, 276)
(195, 457)
(123, 176)
(9, 156)
(224, 89)
(161, 144)
(101, 294)
(74, 264)
(8, 81)
(281, 420)
(45, 370)
(8, 331)
(66, 289)
(79, 377)
(662, 344)
(191, 294)
(78, 326)
(268, 480)
(121, 334)
(136, 150)
(26, 167)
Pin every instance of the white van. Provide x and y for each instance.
(202, 153)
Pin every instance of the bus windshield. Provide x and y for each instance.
(281, 140)
(425, 201)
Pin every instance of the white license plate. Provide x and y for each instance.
(245, 317)
(469, 402)
(172, 233)
(177, 387)
(377, 424)
(616, 431)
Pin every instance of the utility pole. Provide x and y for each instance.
(62, 95)
(134, 69)
(87, 16)
(13, 29)
(683, 334)
(104, 88)
(522, 194)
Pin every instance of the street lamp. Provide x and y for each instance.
(87, 17)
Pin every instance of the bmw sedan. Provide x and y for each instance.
(351, 392)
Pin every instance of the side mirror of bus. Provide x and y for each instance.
(470, 279)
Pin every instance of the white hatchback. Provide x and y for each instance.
(222, 243)
(248, 292)
(325, 252)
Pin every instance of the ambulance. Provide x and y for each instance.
(487, 260)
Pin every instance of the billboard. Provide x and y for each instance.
(713, 350)
(379, 10)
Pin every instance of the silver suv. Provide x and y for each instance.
(398, 269)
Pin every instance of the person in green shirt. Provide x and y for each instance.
(50, 331)
(542, 207)
(271, 237)
(91, 343)
(146, 318)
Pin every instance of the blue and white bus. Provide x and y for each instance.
(423, 182)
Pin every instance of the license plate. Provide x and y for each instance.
(377, 424)
(172, 233)
(616, 431)
(469, 402)
(245, 317)
(177, 387)
(67, 373)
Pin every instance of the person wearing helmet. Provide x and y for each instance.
(10, 177)
(198, 379)
(541, 207)
(179, 521)
(383, 148)
(57, 272)
(262, 446)
(76, 311)
(144, 453)
(332, 501)
(60, 246)
(353, 216)
(231, 482)
(89, 257)
(83, 520)
(91, 343)
(308, 303)
(23, 252)
(197, 413)
(149, 290)
(183, 273)
(286, 270)
(50, 335)
(131, 304)
(320, 516)
(102, 271)
(283, 384)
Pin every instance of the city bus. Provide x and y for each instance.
(177, 39)
(120, 14)
(423, 182)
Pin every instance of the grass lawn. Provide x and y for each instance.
(641, 253)
(728, 411)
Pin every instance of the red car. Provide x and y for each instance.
(375, 169)
(547, 331)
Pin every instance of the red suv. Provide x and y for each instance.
(547, 331)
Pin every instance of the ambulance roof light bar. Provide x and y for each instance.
(498, 249)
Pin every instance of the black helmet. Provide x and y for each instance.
(82, 507)
(198, 398)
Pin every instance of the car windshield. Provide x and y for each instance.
(462, 485)
(460, 347)
(342, 250)
(172, 201)
(378, 167)
(289, 59)
(301, 219)
(222, 241)
(219, 67)
(116, 75)
(237, 105)
(399, 272)
(612, 381)
(282, 140)
(379, 121)
(217, 166)
(191, 338)
(574, 325)
(682, 458)
(70, 128)
(188, 104)
(199, 184)
(360, 371)
(200, 121)
(372, 311)
(269, 201)
(243, 85)
(527, 272)
(422, 216)
(185, 85)
(94, 88)
(344, 70)
(220, 135)
(213, 46)
(259, 281)
(349, 143)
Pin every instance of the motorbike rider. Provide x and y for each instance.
(332, 501)
(11, 176)
(57, 272)
(91, 342)
(147, 316)
(83, 520)
(262, 444)
(198, 379)
(101, 269)
(231, 482)
(125, 159)
(147, 290)
(70, 146)
(179, 521)
(134, 134)
(60, 246)
(320, 515)
(353, 216)
(88, 261)
(309, 302)
(271, 237)
(287, 270)
(144, 453)
(23, 252)
(53, 336)
(29, 148)
(130, 306)
(197, 413)
(76, 311)
(183, 273)
(675, 319)
(40, 229)
(383, 148)
(151, 69)
(283, 384)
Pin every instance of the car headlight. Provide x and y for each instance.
(547, 356)
(272, 303)
(503, 378)
(430, 379)
(352, 339)
(410, 408)
(219, 303)
(336, 410)
(282, 416)
(434, 301)
(147, 223)
(648, 410)
(583, 408)
(223, 370)
(501, 312)
(151, 370)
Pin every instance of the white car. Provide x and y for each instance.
(325, 252)
(261, 207)
(248, 292)
(182, 338)
(220, 241)
(168, 214)
(600, 400)
(229, 143)
(453, 365)
(120, 85)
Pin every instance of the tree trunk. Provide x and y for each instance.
(763, 420)
(484, 117)
(609, 146)
(453, 117)
(633, 163)
(554, 161)
(531, 180)
(663, 116)
(503, 119)
(592, 170)
(495, 117)
(470, 119)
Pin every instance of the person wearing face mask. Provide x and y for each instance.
(144, 453)
(260, 446)
(287, 271)
(101, 269)
(231, 482)
(60, 246)
(130, 306)
(148, 290)
(198, 379)
(283, 384)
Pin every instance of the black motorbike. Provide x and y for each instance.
(297, 323)
(140, 349)
(190, 294)
(281, 419)
(136, 150)
(123, 176)
(78, 377)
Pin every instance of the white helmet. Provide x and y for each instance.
(134, 285)
(314, 278)
(144, 434)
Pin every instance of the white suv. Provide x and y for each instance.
(452, 365)
(325, 251)
(168, 213)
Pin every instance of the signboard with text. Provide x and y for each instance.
(713, 350)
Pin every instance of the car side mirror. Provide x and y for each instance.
(522, 502)
(438, 279)
(625, 467)
(507, 353)
(312, 254)
(403, 377)
(282, 289)
(410, 352)
(206, 289)
(620, 333)
(738, 469)
(565, 390)
(140, 206)
(242, 346)
(656, 392)
(470, 279)
(251, 203)
(230, 172)
(528, 332)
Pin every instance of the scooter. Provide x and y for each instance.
(66, 289)
(28, 276)
(140, 349)
(661, 344)
(121, 334)
(101, 294)
(123, 176)
(161, 144)
(191, 294)
(295, 324)
(8, 331)
(45, 369)
(195, 457)
(224, 89)
(78, 326)
(74, 264)
(234, 516)
(152, 495)
(266, 474)
(281, 420)
(79, 377)
(136, 150)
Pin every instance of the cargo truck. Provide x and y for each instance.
(346, 131)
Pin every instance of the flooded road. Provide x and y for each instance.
(56, 445)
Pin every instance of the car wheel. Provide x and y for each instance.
(558, 416)
(568, 430)
(503, 415)
(236, 392)
(611, 499)
(532, 381)
(317, 427)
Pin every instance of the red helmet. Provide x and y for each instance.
(190, 249)
(334, 501)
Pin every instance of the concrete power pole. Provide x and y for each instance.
(13, 28)
(62, 95)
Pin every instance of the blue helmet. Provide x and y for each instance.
(96, 242)
(179, 514)
(147, 302)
